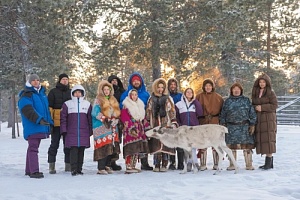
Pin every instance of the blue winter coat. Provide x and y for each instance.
(142, 91)
(176, 96)
(238, 114)
(33, 106)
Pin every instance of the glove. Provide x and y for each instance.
(114, 122)
(44, 122)
(251, 129)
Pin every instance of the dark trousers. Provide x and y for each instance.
(104, 162)
(76, 158)
(55, 140)
(32, 159)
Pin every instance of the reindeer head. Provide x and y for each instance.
(159, 131)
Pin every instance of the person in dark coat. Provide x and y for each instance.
(265, 103)
(118, 91)
(76, 125)
(176, 96)
(56, 97)
(136, 81)
(36, 121)
(239, 116)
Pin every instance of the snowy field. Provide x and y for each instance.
(280, 183)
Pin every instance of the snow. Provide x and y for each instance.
(280, 183)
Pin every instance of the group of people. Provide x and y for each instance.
(118, 115)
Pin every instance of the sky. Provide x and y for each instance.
(280, 183)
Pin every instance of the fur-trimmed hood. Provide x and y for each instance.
(155, 85)
(109, 106)
(135, 108)
(208, 80)
(256, 88)
(120, 84)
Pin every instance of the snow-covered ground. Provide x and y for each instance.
(282, 182)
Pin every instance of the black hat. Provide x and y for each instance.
(62, 76)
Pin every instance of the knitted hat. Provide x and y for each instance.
(136, 77)
(62, 76)
(33, 77)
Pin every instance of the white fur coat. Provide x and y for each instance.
(135, 108)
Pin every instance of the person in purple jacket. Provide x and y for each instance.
(188, 110)
(76, 124)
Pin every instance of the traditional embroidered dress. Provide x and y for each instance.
(105, 109)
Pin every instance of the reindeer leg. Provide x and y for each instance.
(221, 155)
(186, 156)
(229, 153)
(194, 157)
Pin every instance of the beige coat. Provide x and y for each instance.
(266, 127)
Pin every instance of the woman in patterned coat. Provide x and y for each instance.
(265, 103)
(105, 117)
(239, 116)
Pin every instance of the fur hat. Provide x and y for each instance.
(33, 77)
(62, 76)
(135, 77)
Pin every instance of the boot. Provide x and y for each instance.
(109, 170)
(216, 159)
(114, 166)
(164, 166)
(172, 165)
(134, 161)
(156, 168)
(268, 163)
(203, 157)
(180, 156)
(67, 167)
(248, 159)
(144, 163)
(52, 168)
(263, 166)
(231, 166)
(157, 159)
(36, 175)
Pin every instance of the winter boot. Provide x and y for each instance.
(134, 161)
(52, 168)
(268, 163)
(109, 170)
(114, 166)
(180, 156)
(189, 167)
(263, 166)
(144, 163)
(216, 159)
(102, 172)
(164, 166)
(172, 165)
(36, 175)
(203, 157)
(248, 159)
(231, 166)
(67, 167)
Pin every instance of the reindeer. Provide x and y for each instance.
(200, 137)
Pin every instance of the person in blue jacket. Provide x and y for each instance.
(137, 82)
(36, 121)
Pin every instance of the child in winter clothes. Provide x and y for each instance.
(76, 124)
(188, 110)
(36, 120)
(134, 139)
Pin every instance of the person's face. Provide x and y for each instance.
(35, 83)
(77, 94)
(134, 96)
(208, 87)
(114, 81)
(136, 83)
(64, 81)
(236, 91)
(173, 86)
(106, 90)
(262, 83)
(160, 88)
(189, 94)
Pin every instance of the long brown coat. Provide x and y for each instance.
(211, 103)
(266, 127)
(155, 146)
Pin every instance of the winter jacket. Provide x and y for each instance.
(56, 97)
(238, 114)
(187, 113)
(33, 106)
(211, 103)
(118, 89)
(76, 120)
(176, 96)
(142, 91)
(266, 127)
